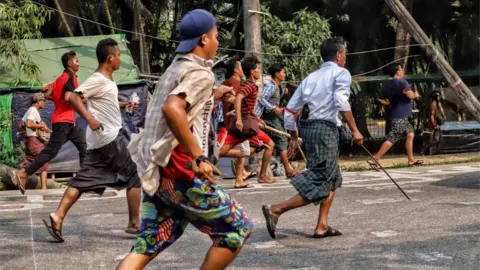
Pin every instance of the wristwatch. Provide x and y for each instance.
(201, 159)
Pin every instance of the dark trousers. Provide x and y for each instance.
(62, 132)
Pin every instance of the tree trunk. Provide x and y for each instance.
(403, 39)
(109, 16)
(62, 16)
(457, 85)
(95, 18)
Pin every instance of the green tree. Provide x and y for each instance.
(297, 37)
(20, 20)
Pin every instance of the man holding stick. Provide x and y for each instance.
(268, 108)
(326, 92)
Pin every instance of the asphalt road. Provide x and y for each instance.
(438, 229)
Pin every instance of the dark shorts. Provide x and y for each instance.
(321, 140)
(108, 166)
(400, 128)
(281, 142)
(180, 202)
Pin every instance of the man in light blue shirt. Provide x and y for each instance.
(326, 92)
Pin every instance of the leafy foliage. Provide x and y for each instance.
(9, 157)
(300, 36)
(20, 20)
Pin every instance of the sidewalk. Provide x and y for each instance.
(400, 161)
(359, 163)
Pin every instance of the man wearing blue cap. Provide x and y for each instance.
(177, 177)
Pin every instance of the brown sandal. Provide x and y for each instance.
(54, 232)
(270, 220)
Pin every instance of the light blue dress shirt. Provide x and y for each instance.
(325, 91)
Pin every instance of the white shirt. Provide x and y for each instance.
(325, 91)
(32, 114)
(102, 100)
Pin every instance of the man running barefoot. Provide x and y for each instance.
(172, 161)
(108, 162)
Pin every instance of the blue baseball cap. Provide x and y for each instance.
(193, 25)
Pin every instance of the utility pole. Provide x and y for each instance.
(251, 24)
(456, 83)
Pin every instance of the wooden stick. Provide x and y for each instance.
(279, 132)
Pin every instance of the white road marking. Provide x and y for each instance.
(121, 257)
(379, 201)
(103, 215)
(269, 244)
(434, 256)
(33, 242)
(19, 207)
(383, 234)
(469, 203)
(354, 212)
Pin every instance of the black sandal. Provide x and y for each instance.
(330, 232)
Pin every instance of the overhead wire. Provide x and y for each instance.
(221, 48)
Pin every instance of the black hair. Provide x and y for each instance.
(330, 47)
(105, 47)
(392, 71)
(66, 57)
(230, 66)
(275, 68)
(249, 63)
(435, 95)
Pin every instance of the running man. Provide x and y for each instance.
(107, 162)
(173, 161)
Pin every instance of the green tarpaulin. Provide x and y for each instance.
(46, 53)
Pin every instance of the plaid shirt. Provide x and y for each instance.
(264, 102)
(152, 147)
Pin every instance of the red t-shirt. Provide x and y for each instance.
(249, 90)
(176, 168)
(227, 107)
(64, 113)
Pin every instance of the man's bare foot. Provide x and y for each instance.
(133, 228)
(22, 175)
(292, 173)
(266, 180)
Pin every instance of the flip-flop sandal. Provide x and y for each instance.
(16, 181)
(245, 186)
(271, 221)
(330, 232)
(373, 165)
(416, 163)
(132, 231)
(251, 175)
(55, 233)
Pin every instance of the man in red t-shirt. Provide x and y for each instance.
(63, 121)
(244, 105)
